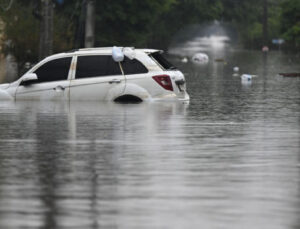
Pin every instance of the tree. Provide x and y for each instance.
(180, 14)
(290, 22)
(46, 29)
(144, 23)
(22, 26)
(128, 22)
(21, 33)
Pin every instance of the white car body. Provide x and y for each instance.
(73, 76)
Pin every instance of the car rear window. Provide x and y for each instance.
(133, 66)
(162, 61)
(96, 66)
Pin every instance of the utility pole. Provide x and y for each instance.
(90, 24)
(46, 29)
(265, 23)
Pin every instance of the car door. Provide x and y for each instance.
(97, 77)
(52, 82)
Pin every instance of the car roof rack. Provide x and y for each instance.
(94, 49)
(72, 50)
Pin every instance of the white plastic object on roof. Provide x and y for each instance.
(129, 52)
(117, 54)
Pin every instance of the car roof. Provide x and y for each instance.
(96, 50)
(107, 50)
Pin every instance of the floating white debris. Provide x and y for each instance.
(247, 77)
(184, 60)
(236, 69)
(200, 58)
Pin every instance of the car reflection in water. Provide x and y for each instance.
(71, 157)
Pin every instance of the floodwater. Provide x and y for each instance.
(229, 159)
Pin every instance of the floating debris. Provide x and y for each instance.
(247, 77)
(236, 69)
(200, 58)
(293, 74)
(184, 60)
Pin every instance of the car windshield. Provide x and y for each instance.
(162, 61)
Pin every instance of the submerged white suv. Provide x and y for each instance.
(107, 74)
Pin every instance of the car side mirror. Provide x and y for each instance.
(28, 78)
(117, 54)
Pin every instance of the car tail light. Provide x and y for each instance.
(164, 81)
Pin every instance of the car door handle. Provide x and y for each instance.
(114, 81)
(59, 88)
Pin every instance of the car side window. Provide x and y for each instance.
(96, 66)
(133, 67)
(54, 70)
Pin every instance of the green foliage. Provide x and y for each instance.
(143, 23)
(246, 17)
(274, 20)
(128, 22)
(63, 34)
(181, 14)
(21, 33)
(290, 22)
(254, 34)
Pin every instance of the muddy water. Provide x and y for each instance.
(229, 159)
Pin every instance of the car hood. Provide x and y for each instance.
(4, 86)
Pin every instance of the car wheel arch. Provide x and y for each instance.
(126, 98)
(132, 90)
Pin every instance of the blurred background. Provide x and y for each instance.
(33, 29)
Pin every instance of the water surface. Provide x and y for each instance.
(230, 159)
